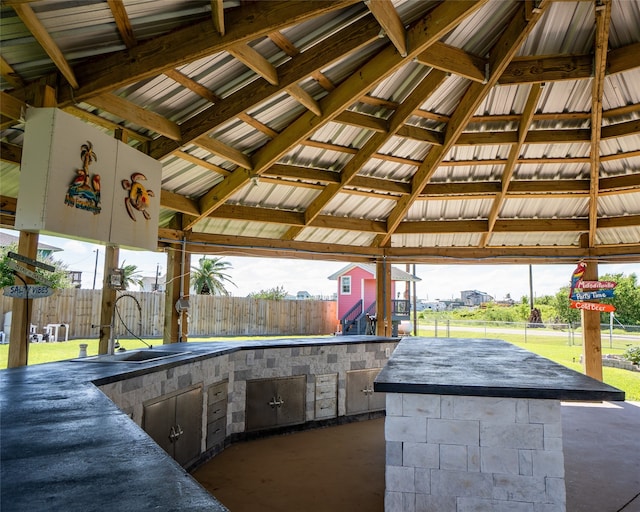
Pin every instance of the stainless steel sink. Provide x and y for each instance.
(131, 356)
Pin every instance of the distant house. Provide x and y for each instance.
(75, 277)
(474, 297)
(303, 295)
(357, 296)
(44, 250)
(154, 283)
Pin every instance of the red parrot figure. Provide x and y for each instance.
(576, 277)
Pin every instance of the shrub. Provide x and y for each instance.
(632, 354)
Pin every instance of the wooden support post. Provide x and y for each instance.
(44, 96)
(22, 308)
(591, 334)
(185, 272)
(383, 298)
(172, 294)
(388, 325)
(380, 298)
(111, 257)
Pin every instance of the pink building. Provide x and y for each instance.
(357, 296)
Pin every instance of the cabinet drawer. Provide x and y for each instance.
(216, 411)
(326, 408)
(216, 432)
(217, 392)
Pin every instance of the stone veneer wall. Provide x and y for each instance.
(246, 364)
(448, 453)
(131, 394)
(310, 361)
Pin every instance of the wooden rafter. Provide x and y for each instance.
(122, 22)
(192, 85)
(603, 21)
(224, 244)
(503, 52)
(9, 74)
(387, 16)
(386, 62)
(514, 153)
(253, 60)
(39, 32)
(151, 58)
(136, 114)
(202, 163)
(344, 42)
(428, 85)
(225, 151)
(217, 15)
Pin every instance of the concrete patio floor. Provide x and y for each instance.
(341, 469)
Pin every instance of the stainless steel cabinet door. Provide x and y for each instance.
(360, 394)
(357, 391)
(157, 421)
(275, 402)
(189, 422)
(290, 397)
(261, 408)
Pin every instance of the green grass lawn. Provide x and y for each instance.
(552, 348)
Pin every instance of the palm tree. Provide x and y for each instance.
(130, 276)
(209, 277)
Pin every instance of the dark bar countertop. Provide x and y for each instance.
(484, 367)
(65, 447)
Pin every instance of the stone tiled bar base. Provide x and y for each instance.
(448, 453)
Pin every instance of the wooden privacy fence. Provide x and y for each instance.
(208, 315)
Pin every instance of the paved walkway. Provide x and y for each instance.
(341, 469)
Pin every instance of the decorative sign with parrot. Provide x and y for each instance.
(581, 291)
(84, 191)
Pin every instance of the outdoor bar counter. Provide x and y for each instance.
(70, 431)
(475, 425)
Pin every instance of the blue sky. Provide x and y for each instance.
(254, 274)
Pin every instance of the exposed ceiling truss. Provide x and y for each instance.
(408, 130)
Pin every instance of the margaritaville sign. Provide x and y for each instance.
(582, 292)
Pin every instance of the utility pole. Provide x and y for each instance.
(155, 288)
(531, 287)
(95, 269)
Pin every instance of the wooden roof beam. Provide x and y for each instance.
(253, 60)
(150, 58)
(441, 20)
(217, 16)
(387, 16)
(224, 151)
(137, 115)
(512, 160)
(9, 74)
(503, 51)
(601, 43)
(202, 163)
(454, 60)
(123, 22)
(359, 34)
(192, 85)
(39, 32)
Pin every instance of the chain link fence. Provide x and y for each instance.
(616, 336)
